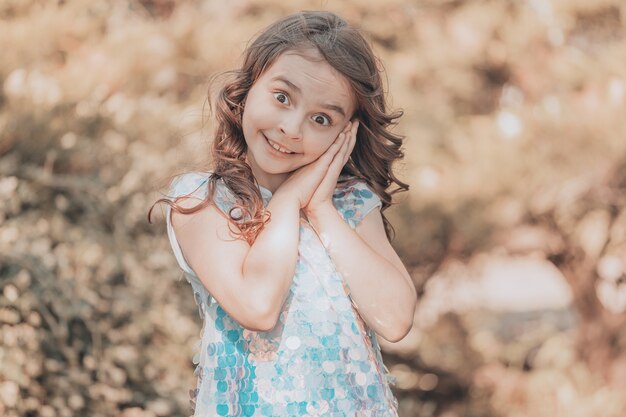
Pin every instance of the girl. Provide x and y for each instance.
(284, 243)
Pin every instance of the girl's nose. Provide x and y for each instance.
(291, 126)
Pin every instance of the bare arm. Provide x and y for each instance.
(249, 282)
(379, 283)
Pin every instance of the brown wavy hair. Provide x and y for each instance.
(346, 50)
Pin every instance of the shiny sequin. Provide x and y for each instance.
(293, 342)
(319, 360)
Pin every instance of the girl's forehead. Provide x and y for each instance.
(308, 73)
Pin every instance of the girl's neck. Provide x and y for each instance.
(269, 181)
(272, 183)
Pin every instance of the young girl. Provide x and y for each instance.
(283, 241)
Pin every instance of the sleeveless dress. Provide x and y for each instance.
(320, 359)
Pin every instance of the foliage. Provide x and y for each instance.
(515, 150)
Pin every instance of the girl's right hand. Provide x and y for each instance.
(303, 182)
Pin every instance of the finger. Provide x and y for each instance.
(347, 143)
(341, 139)
(353, 140)
(350, 149)
(321, 164)
(333, 169)
(341, 154)
(338, 161)
(330, 172)
(327, 157)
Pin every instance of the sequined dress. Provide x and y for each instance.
(320, 359)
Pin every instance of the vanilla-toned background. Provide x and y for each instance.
(514, 229)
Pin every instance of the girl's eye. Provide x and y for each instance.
(323, 120)
(281, 97)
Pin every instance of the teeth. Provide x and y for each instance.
(278, 148)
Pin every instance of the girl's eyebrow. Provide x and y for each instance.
(294, 87)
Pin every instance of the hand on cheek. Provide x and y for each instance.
(352, 133)
(313, 184)
(324, 192)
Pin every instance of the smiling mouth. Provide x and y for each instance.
(277, 147)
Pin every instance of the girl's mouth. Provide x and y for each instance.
(277, 149)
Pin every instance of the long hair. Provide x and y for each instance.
(346, 50)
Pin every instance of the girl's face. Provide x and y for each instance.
(300, 104)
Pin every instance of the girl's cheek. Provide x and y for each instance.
(321, 145)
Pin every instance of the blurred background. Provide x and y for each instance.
(514, 229)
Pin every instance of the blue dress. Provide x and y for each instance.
(320, 359)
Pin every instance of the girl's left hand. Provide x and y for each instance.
(323, 195)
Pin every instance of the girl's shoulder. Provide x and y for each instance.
(354, 199)
(194, 184)
(189, 184)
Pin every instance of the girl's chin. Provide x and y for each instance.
(272, 164)
(270, 167)
(274, 170)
